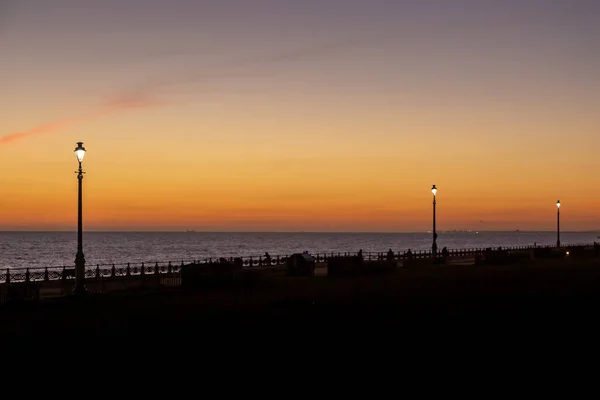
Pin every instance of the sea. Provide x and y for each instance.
(55, 249)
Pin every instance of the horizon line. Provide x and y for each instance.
(312, 232)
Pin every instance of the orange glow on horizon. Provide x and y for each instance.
(165, 187)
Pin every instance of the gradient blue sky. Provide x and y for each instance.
(494, 101)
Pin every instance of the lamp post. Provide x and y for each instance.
(434, 245)
(79, 258)
(558, 223)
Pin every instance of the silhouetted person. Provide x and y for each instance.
(238, 262)
(409, 255)
(445, 252)
(390, 255)
(360, 255)
(267, 258)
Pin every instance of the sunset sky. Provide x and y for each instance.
(311, 115)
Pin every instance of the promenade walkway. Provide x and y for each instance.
(439, 300)
(48, 282)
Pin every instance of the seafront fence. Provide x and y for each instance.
(34, 283)
(171, 269)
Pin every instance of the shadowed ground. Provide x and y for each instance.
(534, 294)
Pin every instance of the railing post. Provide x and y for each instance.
(46, 276)
(27, 275)
(7, 275)
(169, 268)
(156, 269)
(260, 263)
(128, 270)
(278, 263)
(97, 271)
(142, 272)
(113, 271)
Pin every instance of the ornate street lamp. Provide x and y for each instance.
(79, 258)
(434, 245)
(558, 223)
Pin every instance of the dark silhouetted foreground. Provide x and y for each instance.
(547, 293)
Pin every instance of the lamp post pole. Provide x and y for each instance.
(558, 223)
(79, 258)
(434, 245)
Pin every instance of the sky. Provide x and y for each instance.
(313, 115)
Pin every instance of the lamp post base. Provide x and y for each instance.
(80, 288)
(80, 292)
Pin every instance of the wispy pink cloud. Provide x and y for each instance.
(141, 95)
(110, 106)
(48, 127)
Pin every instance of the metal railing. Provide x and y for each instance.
(116, 270)
(35, 283)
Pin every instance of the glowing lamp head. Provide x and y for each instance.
(558, 203)
(80, 151)
(434, 190)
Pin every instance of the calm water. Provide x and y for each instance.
(41, 249)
